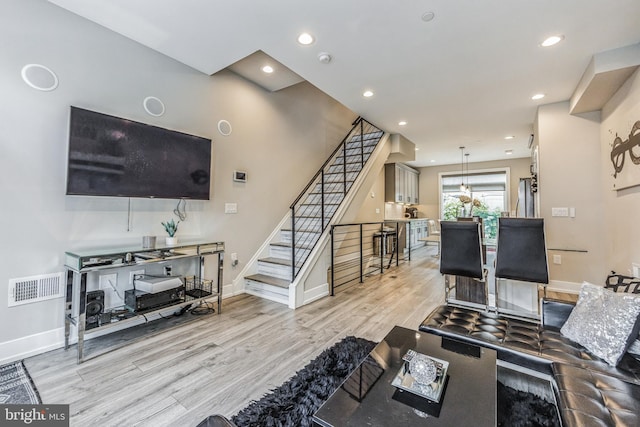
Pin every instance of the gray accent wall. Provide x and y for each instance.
(280, 139)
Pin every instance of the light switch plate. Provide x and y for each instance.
(230, 208)
(557, 259)
(559, 211)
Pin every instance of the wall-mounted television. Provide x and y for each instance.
(112, 156)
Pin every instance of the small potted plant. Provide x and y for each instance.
(171, 228)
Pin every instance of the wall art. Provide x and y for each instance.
(625, 159)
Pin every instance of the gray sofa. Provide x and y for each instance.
(589, 391)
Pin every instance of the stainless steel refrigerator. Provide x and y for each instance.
(526, 199)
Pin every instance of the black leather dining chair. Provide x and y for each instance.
(521, 255)
(461, 256)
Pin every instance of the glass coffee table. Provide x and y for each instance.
(367, 397)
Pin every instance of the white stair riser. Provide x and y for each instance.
(285, 236)
(285, 252)
(338, 177)
(274, 293)
(355, 152)
(315, 210)
(329, 198)
(354, 158)
(339, 168)
(308, 224)
(274, 270)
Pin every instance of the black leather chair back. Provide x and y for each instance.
(461, 249)
(521, 252)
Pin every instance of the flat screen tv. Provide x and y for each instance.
(112, 156)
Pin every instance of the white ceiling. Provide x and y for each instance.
(464, 78)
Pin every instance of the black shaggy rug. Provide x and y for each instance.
(520, 409)
(294, 402)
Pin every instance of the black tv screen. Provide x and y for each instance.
(112, 156)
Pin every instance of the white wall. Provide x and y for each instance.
(620, 218)
(280, 139)
(570, 176)
(429, 206)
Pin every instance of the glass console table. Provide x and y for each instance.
(194, 289)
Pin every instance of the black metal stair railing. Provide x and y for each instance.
(314, 208)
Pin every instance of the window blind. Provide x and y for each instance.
(488, 181)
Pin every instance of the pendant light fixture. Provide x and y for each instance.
(466, 155)
(462, 187)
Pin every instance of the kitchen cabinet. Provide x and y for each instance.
(401, 184)
(417, 230)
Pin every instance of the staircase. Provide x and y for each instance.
(311, 213)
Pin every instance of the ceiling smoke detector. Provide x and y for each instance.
(324, 57)
(428, 16)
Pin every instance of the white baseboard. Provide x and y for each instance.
(560, 286)
(31, 345)
(316, 293)
(230, 290)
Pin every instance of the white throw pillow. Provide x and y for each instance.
(603, 322)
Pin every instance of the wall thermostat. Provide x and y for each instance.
(240, 176)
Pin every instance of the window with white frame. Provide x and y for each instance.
(482, 193)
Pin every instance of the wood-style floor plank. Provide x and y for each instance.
(219, 363)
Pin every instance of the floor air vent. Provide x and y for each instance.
(35, 288)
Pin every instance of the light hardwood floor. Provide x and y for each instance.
(219, 363)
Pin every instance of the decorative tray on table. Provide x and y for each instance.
(422, 375)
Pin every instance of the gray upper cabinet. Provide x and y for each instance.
(401, 184)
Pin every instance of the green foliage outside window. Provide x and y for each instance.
(452, 208)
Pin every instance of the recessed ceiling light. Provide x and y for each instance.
(305, 39)
(417, 149)
(508, 152)
(550, 41)
(402, 123)
(267, 69)
(537, 96)
(367, 94)
(428, 16)
(432, 161)
(509, 137)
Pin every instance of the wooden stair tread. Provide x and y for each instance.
(269, 280)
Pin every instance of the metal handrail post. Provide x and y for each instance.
(361, 255)
(322, 201)
(293, 243)
(333, 264)
(344, 169)
(382, 248)
(398, 243)
(361, 144)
